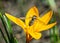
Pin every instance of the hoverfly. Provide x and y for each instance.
(31, 22)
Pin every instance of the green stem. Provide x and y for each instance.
(3, 36)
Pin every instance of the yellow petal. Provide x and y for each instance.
(37, 25)
(44, 27)
(35, 35)
(46, 18)
(40, 26)
(16, 20)
(32, 12)
(47, 27)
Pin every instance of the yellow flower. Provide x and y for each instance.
(40, 23)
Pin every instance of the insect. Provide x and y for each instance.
(31, 22)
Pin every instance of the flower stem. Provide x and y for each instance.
(28, 38)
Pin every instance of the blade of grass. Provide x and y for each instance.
(8, 25)
(57, 33)
(1, 17)
(50, 32)
(53, 31)
(54, 35)
(9, 28)
(3, 36)
(13, 39)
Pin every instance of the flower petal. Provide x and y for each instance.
(16, 20)
(32, 12)
(37, 25)
(46, 18)
(40, 26)
(35, 35)
(44, 27)
(47, 27)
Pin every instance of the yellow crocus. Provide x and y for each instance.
(40, 23)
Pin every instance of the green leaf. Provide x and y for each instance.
(3, 36)
(8, 25)
(2, 19)
(9, 28)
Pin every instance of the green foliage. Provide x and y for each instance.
(54, 32)
(8, 30)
